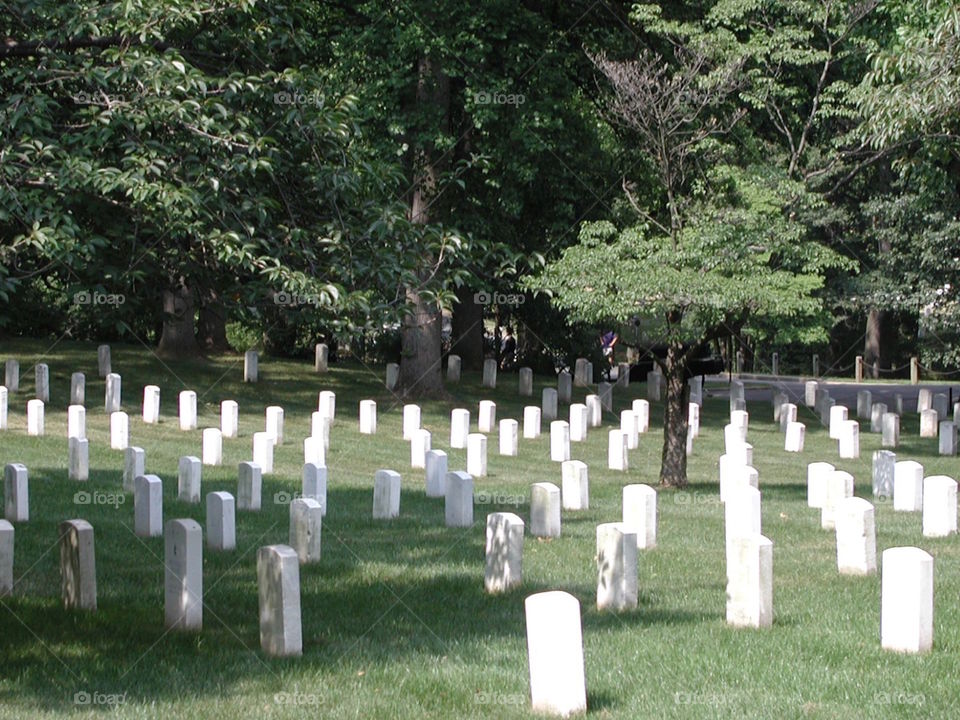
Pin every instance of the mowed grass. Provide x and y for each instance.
(395, 620)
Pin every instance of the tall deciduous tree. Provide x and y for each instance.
(716, 248)
(512, 134)
(913, 87)
(140, 149)
(910, 108)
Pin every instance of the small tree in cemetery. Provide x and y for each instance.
(714, 244)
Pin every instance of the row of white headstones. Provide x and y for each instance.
(184, 608)
(907, 583)
(749, 554)
(617, 542)
(582, 416)
(845, 431)
(251, 365)
(251, 372)
(933, 408)
(147, 488)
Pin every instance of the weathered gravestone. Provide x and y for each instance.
(183, 575)
(856, 537)
(386, 495)
(906, 600)
(544, 510)
(504, 552)
(458, 503)
(251, 366)
(188, 410)
(278, 585)
(640, 513)
(939, 506)
(575, 485)
(221, 521)
(616, 567)
(750, 582)
(884, 465)
(16, 493)
(313, 484)
(78, 461)
(531, 422)
(188, 479)
(78, 568)
(111, 402)
(908, 486)
(78, 388)
(559, 441)
(148, 506)
(306, 521)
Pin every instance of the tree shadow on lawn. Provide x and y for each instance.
(771, 490)
(645, 615)
(599, 702)
(783, 492)
(390, 591)
(123, 646)
(383, 589)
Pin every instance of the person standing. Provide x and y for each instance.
(608, 342)
(508, 350)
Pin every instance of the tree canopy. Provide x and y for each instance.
(783, 172)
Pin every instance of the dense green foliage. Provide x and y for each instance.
(258, 163)
(710, 176)
(165, 159)
(740, 257)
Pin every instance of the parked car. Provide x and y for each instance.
(703, 364)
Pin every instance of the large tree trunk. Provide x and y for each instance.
(875, 351)
(528, 346)
(873, 341)
(673, 467)
(421, 344)
(212, 325)
(468, 330)
(178, 339)
(420, 357)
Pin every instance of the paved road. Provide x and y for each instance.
(762, 387)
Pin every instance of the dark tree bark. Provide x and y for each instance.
(873, 344)
(528, 346)
(178, 339)
(421, 345)
(875, 350)
(212, 325)
(420, 372)
(673, 466)
(468, 330)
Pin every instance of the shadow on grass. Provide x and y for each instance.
(599, 702)
(352, 621)
(406, 591)
(644, 615)
(384, 591)
(392, 591)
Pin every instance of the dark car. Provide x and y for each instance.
(703, 364)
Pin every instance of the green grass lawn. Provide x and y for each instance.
(395, 619)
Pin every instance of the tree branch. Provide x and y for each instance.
(643, 213)
(29, 48)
